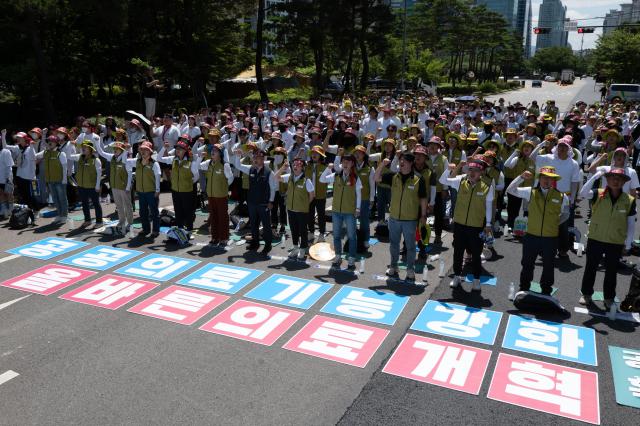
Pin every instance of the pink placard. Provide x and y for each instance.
(179, 304)
(337, 340)
(440, 363)
(252, 321)
(546, 387)
(109, 291)
(48, 279)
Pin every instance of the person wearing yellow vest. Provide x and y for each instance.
(509, 147)
(493, 176)
(313, 171)
(300, 192)
(54, 164)
(88, 175)
(184, 175)
(438, 164)
(548, 208)
(455, 154)
(383, 191)
(518, 162)
(610, 231)
(218, 178)
(147, 189)
(347, 197)
(420, 167)
(473, 213)
(279, 210)
(408, 207)
(120, 179)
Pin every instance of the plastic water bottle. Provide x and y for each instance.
(425, 273)
(512, 291)
(70, 224)
(131, 233)
(282, 240)
(362, 265)
(505, 230)
(441, 271)
(580, 248)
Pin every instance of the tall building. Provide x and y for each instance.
(629, 13)
(523, 24)
(518, 15)
(270, 45)
(552, 15)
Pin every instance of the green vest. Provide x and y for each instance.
(363, 174)
(217, 184)
(320, 189)
(491, 176)
(52, 167)
(454, 156)
(437, 167)
(344, 195)
(385, 170)
(505, 153)
(522, 165)
(145, 179)
(181, 176)
(609, 220)
(405, 202)
(245, 177)
(470, 203)
(544, 213)
(118, 176)
(297, 195)
(86, 174)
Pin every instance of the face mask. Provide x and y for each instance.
(33, 135)
(85, 130)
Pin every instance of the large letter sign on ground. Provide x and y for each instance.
(100, 258)
(109, 291)
(368, 305)
(462, 322)
(252, 321)
(561, 341)
(225, 278)
(338, 340)
(157, 267)
(179, 304)
(289, 291)
(47, 279)
(546, 387)
(626, 375)
(440, 363)
(48, 248)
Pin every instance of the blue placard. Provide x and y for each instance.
(48, 248)
(100, 258)
(289, 291)
(158, 267)
(552, 339)
(368, 305)
(626, 375)
(225, 278)
(461, 322)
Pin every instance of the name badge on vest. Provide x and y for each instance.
(480, 194)
(553, 200)
(622, 211)
(186, 167)
(300, 186)
(252, 175)
(411, 187)
(218, 172)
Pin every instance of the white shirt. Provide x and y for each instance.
(164, 134)
(6, 164)
(628, 186)
(308, 184)
(25, 160)
(568, 169)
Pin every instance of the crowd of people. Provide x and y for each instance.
(393, 162)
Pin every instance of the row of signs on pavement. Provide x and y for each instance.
(534, 384)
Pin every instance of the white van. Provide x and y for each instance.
(624, 92)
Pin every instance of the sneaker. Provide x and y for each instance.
(437, 241)
(143, 234)
(302, 255)
(214, 242)
(351, 264)
(392, 272)
(265, 251)
(253, 246)
(154, 234)
(585, 300)
(411, 275)
(282, 229)
(337, 260)
(294, 252)
(455, 282)
(475, 286)
(223, 243)
(85, 223)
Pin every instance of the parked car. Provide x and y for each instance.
(623, 92)
(536, 83)
(550, 79)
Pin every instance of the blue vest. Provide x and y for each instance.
(259, 190)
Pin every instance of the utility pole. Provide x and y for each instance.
(404, 46)
(581, 44)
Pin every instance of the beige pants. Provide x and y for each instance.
(123, 206)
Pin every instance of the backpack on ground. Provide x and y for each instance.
(21, 217)
(167, 218)
(178, 236)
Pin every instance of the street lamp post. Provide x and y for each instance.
(404, 45)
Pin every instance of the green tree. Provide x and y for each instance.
(553, 59)
(617, 55)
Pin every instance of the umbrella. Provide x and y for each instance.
(321, 252)
(146, 123)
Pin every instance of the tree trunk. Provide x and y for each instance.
(259, 47)
(41, 65)
(364, 77)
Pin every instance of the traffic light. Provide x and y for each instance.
(541, 30)
(585, 30)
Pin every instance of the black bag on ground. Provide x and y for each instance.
(631, 303)
(21, 217)
(382, 230)
(167, 218)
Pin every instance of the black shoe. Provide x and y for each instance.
(265, 251)
(253, 246)
(282, 229)
(437, 241)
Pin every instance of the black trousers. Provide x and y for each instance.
(298, 225)
(467, 238)
(24, 191)
(513, 208)
(438, 214)
(183, 204)
(318, 207)
(260, 214)
(595, 251)
(532, 247)
(279, 211)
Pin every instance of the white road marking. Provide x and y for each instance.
(625, 316)
(11, 302)
(8, 375)
(8, 258)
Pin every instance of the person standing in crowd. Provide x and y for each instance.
(88, 176)
(6, 183)
(147, 189)
(120, 180)
(611, 230)
(300, 193)
(472, 216)
(260, 195)
(151, 86)
(219, 177)
(279, 210)
(408, 207)
(54, 165)
(313, 171)
(548, 208)
(26, 167)
(347, 196)
(438, 164)
(518, 162)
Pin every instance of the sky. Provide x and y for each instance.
(580, 10)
